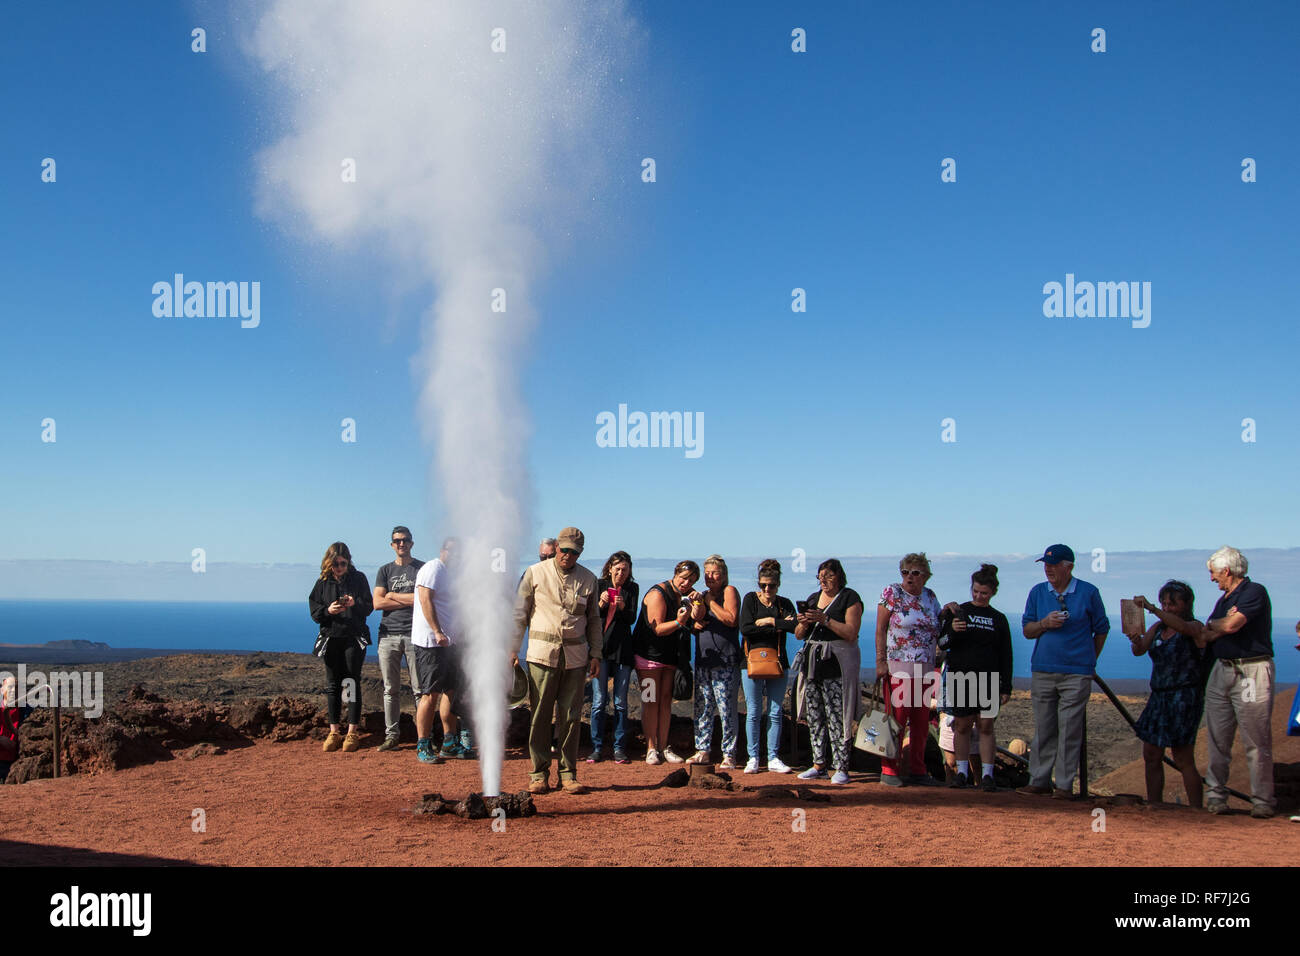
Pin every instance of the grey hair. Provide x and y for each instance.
(1229, 558)
(547, 542)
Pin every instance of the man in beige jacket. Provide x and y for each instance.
(557, 603)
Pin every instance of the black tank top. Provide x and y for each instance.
(660, 648)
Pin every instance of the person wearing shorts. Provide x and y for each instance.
(437, 665)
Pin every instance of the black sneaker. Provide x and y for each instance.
(989, 785)
(959, 782)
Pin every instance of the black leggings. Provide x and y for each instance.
(343, 659)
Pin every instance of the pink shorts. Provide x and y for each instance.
(644, 665)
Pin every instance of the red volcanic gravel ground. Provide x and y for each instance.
(289, 803)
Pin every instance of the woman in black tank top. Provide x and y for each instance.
(660, 629)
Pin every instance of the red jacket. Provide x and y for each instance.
(10, 718)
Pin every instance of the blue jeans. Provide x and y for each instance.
(774, 688)
(599, 698)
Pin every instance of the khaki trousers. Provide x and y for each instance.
(547, 688)
(1240, 695)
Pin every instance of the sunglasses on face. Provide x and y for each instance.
(570, 551)
(401, 541)
(340, 563)
(767, 585)
(913, 573)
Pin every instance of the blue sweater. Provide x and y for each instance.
(1069, 648)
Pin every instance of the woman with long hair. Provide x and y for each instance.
(1178, 673)
(618, 592)
(340, 602)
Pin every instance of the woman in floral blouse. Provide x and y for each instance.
(907, 630)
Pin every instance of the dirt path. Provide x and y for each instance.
(278, 804)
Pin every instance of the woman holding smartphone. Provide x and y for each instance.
(829, 625)
(667, 613)
(979, 660)
(340, 602)
(618, 606)
(765, 619)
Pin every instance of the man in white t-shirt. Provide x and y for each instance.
(434, 634)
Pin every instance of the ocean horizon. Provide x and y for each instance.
(286, 627)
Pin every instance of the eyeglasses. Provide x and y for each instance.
(913, 572)
(570, 551)
(768, 586)
(340, 563)
(401, 541)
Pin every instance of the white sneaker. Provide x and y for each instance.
(840, 778)
(672, 757)
(652, 757)
(776, 765)
(752, 766)
(728, 763)
(812, 773)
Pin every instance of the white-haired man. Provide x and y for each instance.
(1239, 693)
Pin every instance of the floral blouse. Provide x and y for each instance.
(913, 624)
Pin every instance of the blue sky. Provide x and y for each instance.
(775, 170)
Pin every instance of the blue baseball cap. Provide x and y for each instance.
(1056, 554)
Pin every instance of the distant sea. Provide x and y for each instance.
(215, 626)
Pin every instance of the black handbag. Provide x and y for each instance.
(684, 679)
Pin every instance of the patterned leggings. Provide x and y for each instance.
(715, 695)
(824, 700)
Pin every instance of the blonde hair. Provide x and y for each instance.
(721, 565)
(916, 559)
(336, 550)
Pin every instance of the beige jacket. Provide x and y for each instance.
(562, 614)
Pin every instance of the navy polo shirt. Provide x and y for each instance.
(1255, 639)
(1067, 649)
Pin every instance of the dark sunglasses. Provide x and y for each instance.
(570, 551)
(401, 541)
(913, 573)
(770, 586)
(340, 562)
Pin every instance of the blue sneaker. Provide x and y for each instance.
(450, 748)
(466, 742)
(424, 752)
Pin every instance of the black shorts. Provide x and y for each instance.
(437, 669)
(971, 692)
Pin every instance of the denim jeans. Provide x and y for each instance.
(599, 698)
(774, 688)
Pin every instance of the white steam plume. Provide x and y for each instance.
(469, 160)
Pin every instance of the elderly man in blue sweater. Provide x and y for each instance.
(1066, 619)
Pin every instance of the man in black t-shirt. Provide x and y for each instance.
(395, 596)
(1239, 693)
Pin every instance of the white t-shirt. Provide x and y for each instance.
(438, 578)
